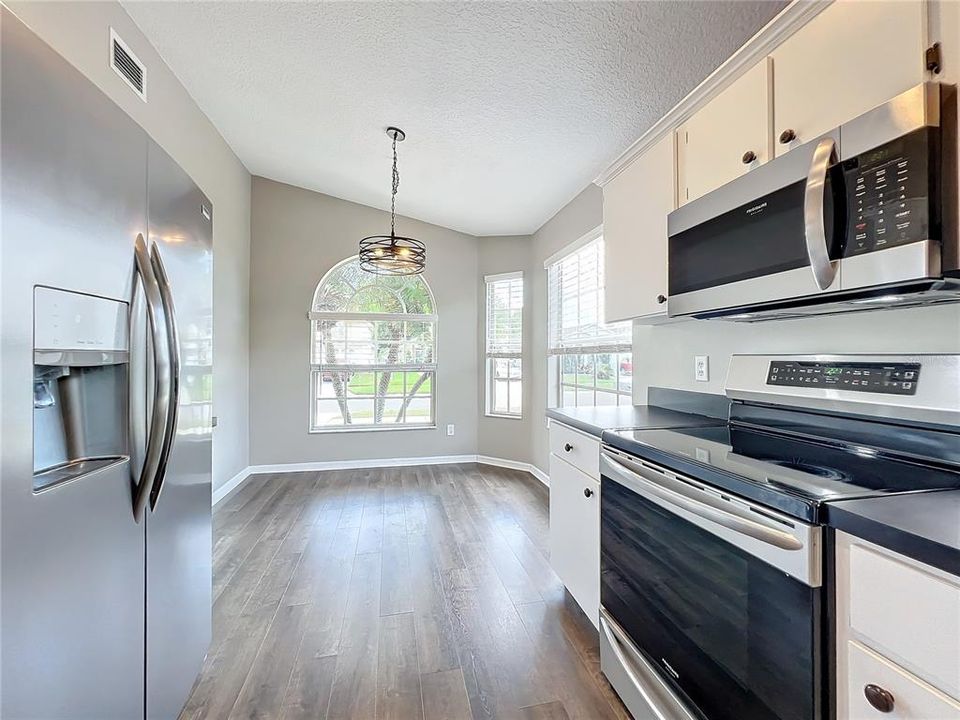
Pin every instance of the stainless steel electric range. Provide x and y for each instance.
(715, 562)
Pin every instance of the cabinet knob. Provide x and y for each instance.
(661, 299)
(568, 447)
(748, 157)
(879, 698)
(787, 136)
(587, 492)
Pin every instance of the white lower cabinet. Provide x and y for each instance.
(898, 636)
(575, 533)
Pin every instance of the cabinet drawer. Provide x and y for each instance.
(907, 614)
(577, 448)
(912, 698)
(575, 534)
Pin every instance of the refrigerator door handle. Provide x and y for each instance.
(173, 352)
(161, 377)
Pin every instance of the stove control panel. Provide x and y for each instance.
(889, 378)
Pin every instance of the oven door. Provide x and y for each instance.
(710, 605)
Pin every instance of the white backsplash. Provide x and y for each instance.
(664, 355)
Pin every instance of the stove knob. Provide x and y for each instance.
(879, 698)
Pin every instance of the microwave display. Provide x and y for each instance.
(888, 194)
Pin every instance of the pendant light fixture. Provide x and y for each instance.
(392, 254)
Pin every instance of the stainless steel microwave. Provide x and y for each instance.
(863, 217)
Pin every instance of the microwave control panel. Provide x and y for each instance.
(889, 193)
(889, 378)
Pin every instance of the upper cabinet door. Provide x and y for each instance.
(635, 207)
(728, 136)
(850, 58)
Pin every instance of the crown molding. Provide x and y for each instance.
(786, 23)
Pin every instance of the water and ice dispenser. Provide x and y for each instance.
(80, 381)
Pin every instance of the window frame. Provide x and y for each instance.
(490, 357)
(318, 369)
(558, 351)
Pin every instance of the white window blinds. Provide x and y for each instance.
(575, 305)
(505, 314)
(504, 344)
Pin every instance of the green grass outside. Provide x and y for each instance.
(586, 380)
(364, 383)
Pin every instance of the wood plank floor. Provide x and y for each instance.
(394, 593)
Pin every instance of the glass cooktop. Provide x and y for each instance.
(811, 472)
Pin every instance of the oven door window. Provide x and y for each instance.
(739, 638)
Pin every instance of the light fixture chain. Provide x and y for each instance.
(395, 186)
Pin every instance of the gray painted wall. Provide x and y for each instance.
(506, 438)
(297, 235)
(80, 31)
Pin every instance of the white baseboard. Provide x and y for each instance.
(358, 464)
(241, 477)
(230, 485)
(515, 465)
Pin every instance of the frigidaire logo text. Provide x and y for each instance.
(756, 208)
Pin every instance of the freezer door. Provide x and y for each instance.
(72, 172)
(179, 548)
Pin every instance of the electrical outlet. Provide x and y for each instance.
(701, 368)
(450, 429)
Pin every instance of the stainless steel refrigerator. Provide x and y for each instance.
(105, 403)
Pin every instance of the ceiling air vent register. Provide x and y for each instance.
(127, 65)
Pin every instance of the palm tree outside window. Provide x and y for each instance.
(373, 341)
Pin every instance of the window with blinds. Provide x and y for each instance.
(504, 344)
(590, 361)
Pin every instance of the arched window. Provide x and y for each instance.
(373, 345)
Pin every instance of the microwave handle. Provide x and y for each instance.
(824, 269)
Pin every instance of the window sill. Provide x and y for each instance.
(371, 428)
(500, 416)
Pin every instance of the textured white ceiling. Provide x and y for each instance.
(510, 108)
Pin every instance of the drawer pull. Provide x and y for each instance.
(587, 492)
(568, 447)
(879, 698)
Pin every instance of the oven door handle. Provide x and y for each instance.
(646, 481)
(814, 221)
(658, 696)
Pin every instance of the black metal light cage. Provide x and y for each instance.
(392, 255)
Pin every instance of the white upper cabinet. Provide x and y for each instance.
(635, 207)
(850, 58)
(728, 136)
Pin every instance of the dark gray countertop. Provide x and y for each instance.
(594, 420)
(923, 526)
